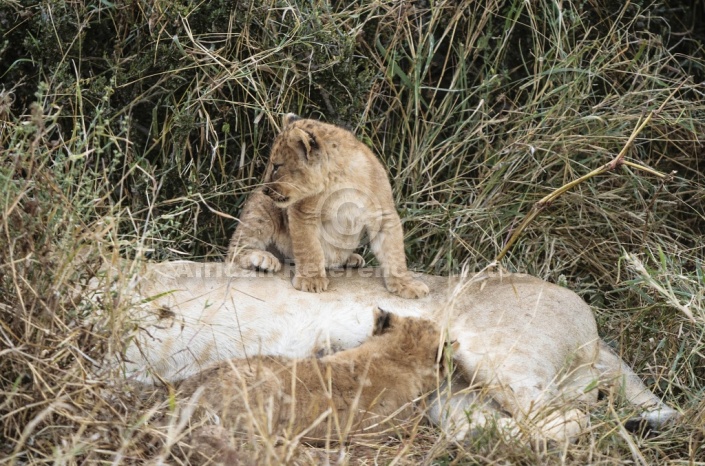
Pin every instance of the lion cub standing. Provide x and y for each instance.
(323, 190)
(364, 390)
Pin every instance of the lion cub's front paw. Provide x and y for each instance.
(311, 284)
(262, 260)
(407, 287)
(355, 261)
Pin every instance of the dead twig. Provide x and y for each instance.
(611, 165)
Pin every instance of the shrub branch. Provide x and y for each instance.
(609, 166)
(615, 163)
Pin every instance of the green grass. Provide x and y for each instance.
(136, 129)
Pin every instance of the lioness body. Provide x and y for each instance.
(364, 391)
(323, 189)
(525, 343)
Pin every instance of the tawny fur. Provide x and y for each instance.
(531, 347)
(323, 190)
(361, 391)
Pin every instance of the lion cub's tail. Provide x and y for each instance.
(622, 378)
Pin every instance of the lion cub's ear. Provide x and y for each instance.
(289, 118)
(303, 142)
(383, 320)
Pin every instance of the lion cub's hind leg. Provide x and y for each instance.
(355, 261)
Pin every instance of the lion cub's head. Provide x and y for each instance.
(297, 166)
(413, 341)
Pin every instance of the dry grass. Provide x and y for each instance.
(140, 132)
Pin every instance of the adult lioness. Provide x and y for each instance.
(323, 189)
(531, 347)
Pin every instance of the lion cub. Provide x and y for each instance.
(322, 190)
(364, 390)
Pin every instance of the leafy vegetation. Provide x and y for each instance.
(137, 129)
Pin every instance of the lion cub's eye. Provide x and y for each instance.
(276, 166)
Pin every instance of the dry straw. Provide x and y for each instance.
(136, 129)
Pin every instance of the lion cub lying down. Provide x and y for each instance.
(364, 390)
(323, 190)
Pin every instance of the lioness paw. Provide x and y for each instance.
(262, 260)
(311, 284)
(407, 287)
(355, 261)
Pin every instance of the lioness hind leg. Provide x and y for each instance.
(559, 426)
(388, 247)
(462, 412)
(260, 222)
(527, 390)
(615, 372)
(538, 419)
